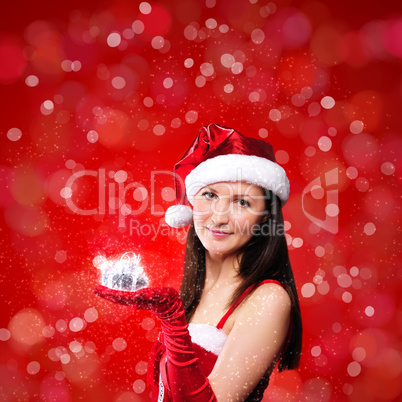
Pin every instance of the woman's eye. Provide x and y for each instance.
(208, 195)
(243, 203)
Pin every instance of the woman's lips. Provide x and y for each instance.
(218, 234)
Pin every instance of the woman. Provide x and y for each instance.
(238, 293)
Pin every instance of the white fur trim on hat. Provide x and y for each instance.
(237, 167)
(178, 216)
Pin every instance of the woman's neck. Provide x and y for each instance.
(220, 270)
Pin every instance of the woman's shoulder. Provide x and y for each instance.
(271, 289)
(264, 314)
(267, 296)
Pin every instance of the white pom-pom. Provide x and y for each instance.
(178, 216)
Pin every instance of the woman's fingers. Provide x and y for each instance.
(155, 300)
(115, 296)
(159, 294)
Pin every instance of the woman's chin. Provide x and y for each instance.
(220, 251)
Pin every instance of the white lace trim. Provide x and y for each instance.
(208, 337)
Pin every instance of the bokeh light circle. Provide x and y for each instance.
(319, 251)
(327, 102)
(354, 369)
(369, 228)
(351, 172)
(118, 82)
(257, 36)
(362, 184)
(317, 192)
(191, 116)
(356, 127)
(190, 32)
(308, 290)
(14, 134)
(359, 354)
(139, 386)
(310, 151)
(119, 344)
(113, 39)
(175, 123)
(200, 81)
(188, 63)
(168, 82)
(347, 297)
(5, 334)
(92, 136)
(61, 325)
(369, 311)
(145, 8)
(26, 327)
(76, 324)
(275, 115)
(32, 80)
(227, 60)
(33, 368)
(140, 194)
(332, 210)
(207, 69)
(158, 42)
(141, 367)
(228, 88)
(75, 346)
(211, 23)
(120, 176)
(388, 168)
(324, 143)
(159, 129)
(282, 157)
(344, 280)
(91, 314)
(315, 351)
(138, 27)
(48, 331)
(237, 68)
(148, 323)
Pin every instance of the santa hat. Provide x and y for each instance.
(222, 154)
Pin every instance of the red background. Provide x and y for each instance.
(60, 342)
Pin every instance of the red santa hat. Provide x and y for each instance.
(222, 154)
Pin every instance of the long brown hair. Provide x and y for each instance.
(265, 256)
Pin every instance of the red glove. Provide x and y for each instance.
(185, 381)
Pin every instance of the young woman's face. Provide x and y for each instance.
(226, 215)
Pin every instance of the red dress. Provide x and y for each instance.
(207, 343)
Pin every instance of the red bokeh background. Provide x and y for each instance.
(99, 99)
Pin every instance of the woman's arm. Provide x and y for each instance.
(252, 346)
(254, 343)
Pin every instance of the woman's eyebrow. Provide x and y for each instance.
(238, 195)
(207, 188)
(253, 197)
(235, 194)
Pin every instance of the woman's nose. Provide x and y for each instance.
(220, 211)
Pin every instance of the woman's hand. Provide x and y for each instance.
(184, 380)
(156, 300)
